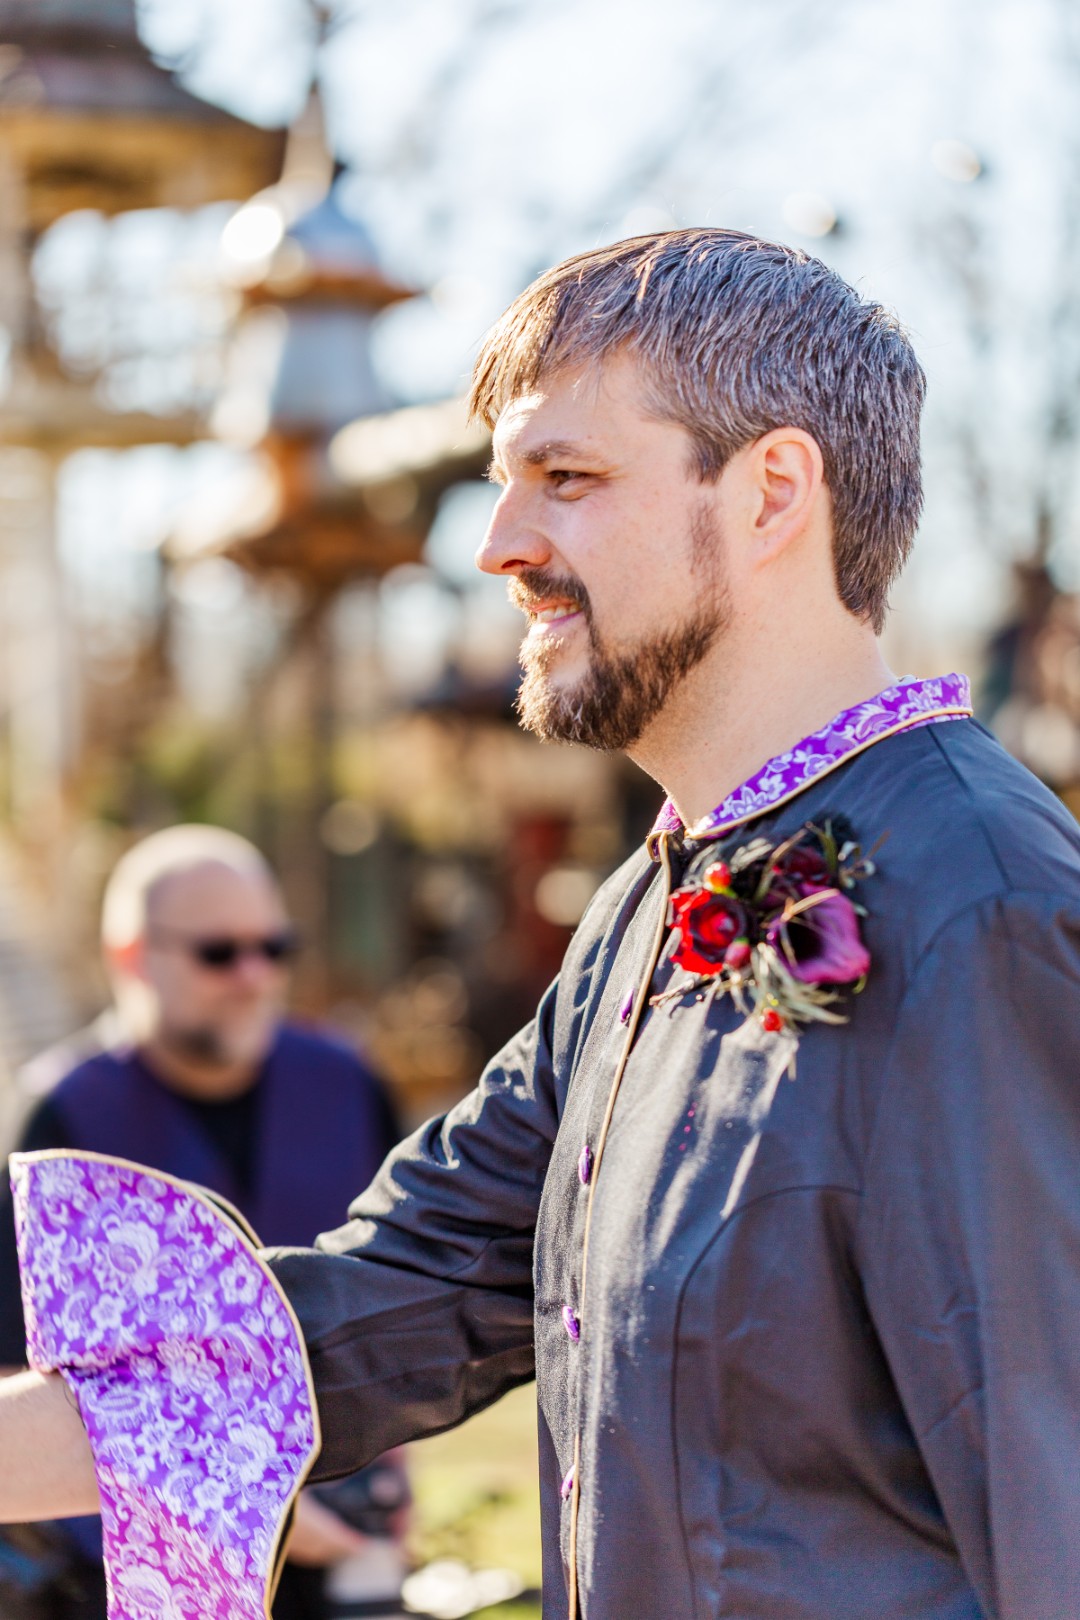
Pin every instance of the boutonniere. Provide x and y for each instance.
(776, 927)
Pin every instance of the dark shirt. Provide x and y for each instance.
(231, 1130)
(230, 1125)
(826, 1365)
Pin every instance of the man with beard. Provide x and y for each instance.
(778, 1193)
(194, 1071)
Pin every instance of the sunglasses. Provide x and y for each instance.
(220, 953)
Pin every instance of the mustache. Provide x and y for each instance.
(531, 586)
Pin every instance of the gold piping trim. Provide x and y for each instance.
(631, 1030)
(218, 1207)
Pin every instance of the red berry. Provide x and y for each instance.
(737, 955)
(771, 1020)
(718, 877)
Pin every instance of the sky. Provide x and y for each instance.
(486, 139)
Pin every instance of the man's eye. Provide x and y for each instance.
(561, 476)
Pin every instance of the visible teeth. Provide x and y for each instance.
(548, 615)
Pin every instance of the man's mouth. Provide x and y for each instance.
(552, 612)
(542, 601)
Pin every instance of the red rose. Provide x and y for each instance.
(706, 924)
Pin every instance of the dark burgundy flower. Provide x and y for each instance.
(822, 945)
(706, 924)
(804, 864)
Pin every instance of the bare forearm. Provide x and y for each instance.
(46, 1468)
(319, 1538)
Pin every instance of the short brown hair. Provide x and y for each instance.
(737, 336)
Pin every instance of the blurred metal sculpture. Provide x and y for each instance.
(87, 121)
(303, 387)
(1031, 688)
(93, 122)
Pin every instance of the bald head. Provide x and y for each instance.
(196, 940)
(176, 853)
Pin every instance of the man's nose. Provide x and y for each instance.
(513, 541)
(254, 970)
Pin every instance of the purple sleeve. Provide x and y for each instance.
(189, 1371)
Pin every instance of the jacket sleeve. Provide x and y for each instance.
(971, 1242)
(419, 1310)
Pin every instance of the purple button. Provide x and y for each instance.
(628, 1005)
(585, 1165)
(571, 1323)
(566, 1489)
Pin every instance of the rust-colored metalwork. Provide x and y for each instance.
(91, 121)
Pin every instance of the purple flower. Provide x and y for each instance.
(822, 944)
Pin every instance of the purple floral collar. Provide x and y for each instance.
(902, 707)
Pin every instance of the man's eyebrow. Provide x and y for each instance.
(553, 448)
(550, 450)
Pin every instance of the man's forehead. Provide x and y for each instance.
(209, 883)
(578, 409)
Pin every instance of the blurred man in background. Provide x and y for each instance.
(195, 1072)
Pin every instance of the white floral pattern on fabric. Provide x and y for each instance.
(190, 1373)
(902, 707)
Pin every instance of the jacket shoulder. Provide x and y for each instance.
(320, 1048)
(635, 873)
(103, 1073)
(308, 1040)
(960, 822)
(606, 916)
(1032, 838)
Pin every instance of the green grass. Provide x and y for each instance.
(477, 1496)
(510, 1611)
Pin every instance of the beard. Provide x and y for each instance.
(621, 692)
(199, 1044)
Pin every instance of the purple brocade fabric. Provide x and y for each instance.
(902, 707)
(190, 1373)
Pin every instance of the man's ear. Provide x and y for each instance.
(127, 961)
(787, 475)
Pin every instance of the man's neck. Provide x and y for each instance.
(733, 714)
(199, 1081)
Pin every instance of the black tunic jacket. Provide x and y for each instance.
(828, 1361)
